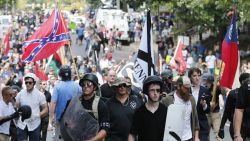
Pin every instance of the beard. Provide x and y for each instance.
(185, 97)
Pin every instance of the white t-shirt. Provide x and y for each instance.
(186, 132)
(210, 59)
(5, 110)
(35, 99)
(190, 62)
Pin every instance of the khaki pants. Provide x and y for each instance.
(214, 120)
(4, 137)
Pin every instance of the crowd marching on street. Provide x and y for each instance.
(83, 97)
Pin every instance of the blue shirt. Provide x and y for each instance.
(63, 92)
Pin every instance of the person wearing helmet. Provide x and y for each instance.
(242, 113)
(91, 103)
(167, 78)
(228, 113)
(31, 96)
(142, 128)
(122, 107)
(63, 92)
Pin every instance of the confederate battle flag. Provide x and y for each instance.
(47, 39)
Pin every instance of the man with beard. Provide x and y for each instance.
(149, 120)
(182, 96)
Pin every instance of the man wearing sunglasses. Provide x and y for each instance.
(31, 96)
(122, 107)
(86, 116)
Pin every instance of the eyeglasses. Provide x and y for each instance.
(86, 84)
(155, 90)
(122, 85)
(28, 82)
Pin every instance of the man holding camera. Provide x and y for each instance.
(202, 98)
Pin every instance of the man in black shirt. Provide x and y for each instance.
(122, 107)
(89, 102)
(242, 113)
(45, 120)
(230, 107)
(106, 89)
(149, 120)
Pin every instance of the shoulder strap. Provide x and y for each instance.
(95, 106)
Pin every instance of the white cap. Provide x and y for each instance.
(31, 75)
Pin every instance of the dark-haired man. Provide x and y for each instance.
(31, 96)
(202, 97)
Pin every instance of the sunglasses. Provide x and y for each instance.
(28, 82)
(86, 84)
(122, 85)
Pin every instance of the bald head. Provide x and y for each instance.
(111, 76)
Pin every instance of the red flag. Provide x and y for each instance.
(47, 39)
(57, 57)
(40, 74)
(178, 57)
(230, 55)
(7, 43)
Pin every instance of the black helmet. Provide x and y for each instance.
(65, 72)
(25, 111)
(166, 74)
(210, 79)
(91, 77)
(149, 80)
(243, 77)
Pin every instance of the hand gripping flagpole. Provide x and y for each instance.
(73, 60)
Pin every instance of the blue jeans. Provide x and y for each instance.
(211, 71)
(23, 135)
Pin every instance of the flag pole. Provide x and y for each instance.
(73, 60)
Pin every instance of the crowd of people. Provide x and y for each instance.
(119, 111)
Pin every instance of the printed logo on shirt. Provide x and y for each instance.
(133, 104)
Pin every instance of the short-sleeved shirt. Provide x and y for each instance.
(121, 116)
(35, 100)
(63, 92)
(243, 102)
(210, 59)
(149, 126)
(5, 110)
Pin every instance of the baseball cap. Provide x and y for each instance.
(119, 81)
(184, 80)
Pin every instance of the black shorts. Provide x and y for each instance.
(80, 37)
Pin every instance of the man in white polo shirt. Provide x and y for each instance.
(31, 96)
(6, 110)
